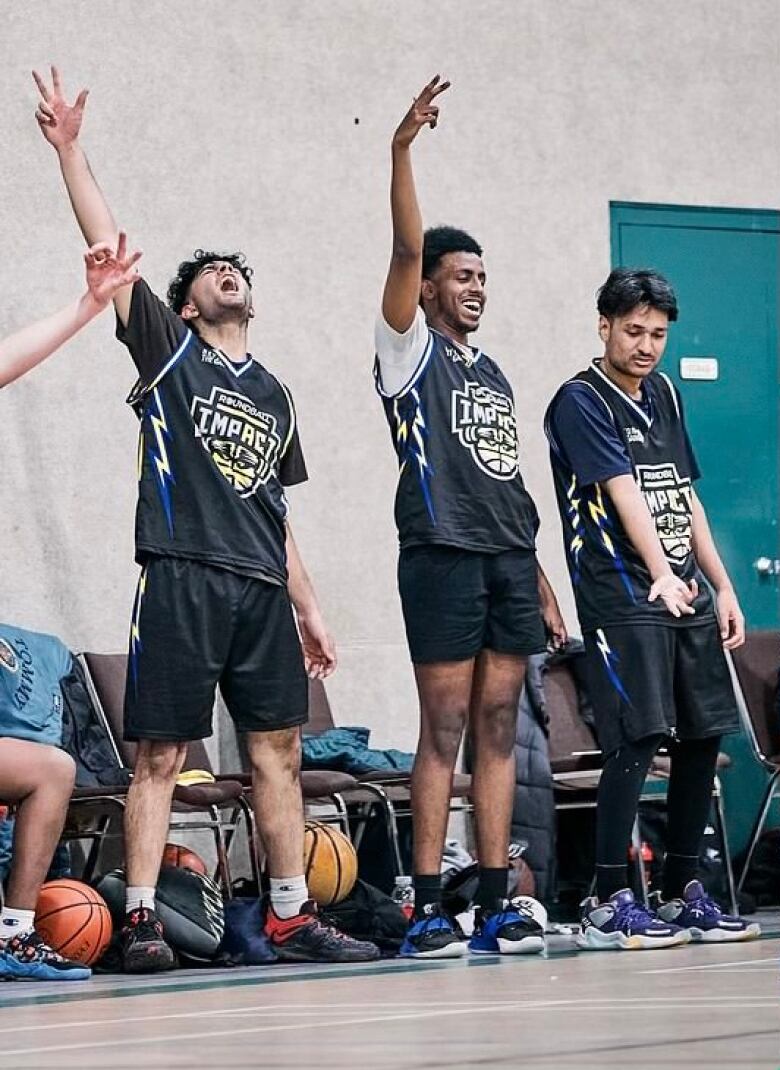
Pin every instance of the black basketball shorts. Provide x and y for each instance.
(195, 627)
(653, 679)
(459, 602)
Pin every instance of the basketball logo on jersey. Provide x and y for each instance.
(485, 424)
(8, 658)
(669, 498)
(241, 440)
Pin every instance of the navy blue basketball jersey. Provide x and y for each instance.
(454, 430)
(217, 443)
(610, 580)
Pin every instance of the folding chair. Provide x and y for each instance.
(215, 807)
(754, 668)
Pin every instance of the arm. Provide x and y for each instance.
(402, 288)
(319, 652)
(106, 272)
(60, 124)
(732, 622)
(551, 613)
(640, 528)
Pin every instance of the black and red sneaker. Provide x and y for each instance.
(28, 958)
(306, 938)
(143, 948)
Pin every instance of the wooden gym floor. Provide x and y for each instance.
(694, 1007)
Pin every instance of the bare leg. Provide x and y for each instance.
(148, 811)
(498, 679)
(39, 779)
(444, 689)
(277, 799)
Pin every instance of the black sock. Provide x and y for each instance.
(427, 889)
(678, 870)
(610, 879)
(492, 887)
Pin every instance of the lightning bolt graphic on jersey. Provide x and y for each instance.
(600, 518)
(411, 434)
(136, 646)
(610, 660)
(158, 451)
(577, 542)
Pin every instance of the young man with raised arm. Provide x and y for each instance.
(474, 599)
(221, 573)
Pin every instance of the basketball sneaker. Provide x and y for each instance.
(433, 936)
(28, 958)
(306, 938)
(623, 924)
(143, 948)
(702, 917)
(511, 929)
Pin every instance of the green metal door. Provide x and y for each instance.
(723, 356)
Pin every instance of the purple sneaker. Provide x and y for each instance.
(703, 918)
(622, 924)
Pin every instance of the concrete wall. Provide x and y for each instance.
(265, 126)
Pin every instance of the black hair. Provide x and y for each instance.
(438, 241)
(188, 271)
(629, 288)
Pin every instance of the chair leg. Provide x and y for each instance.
(341, 810)
(636, 841)
(720, 829)
(93, 855)
(223, 865)
(763, 813)
(391, 824)
(251, 832)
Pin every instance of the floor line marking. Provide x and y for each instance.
(770, 963)
(606, 1005)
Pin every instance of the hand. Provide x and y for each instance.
(59, 122)
(319, 651)
(423, 111)
(732, 623)
(553, 623)
(675, 593)
(109, 271)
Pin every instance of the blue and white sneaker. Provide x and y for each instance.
(509, 930)
(28, 958)
(702, 917)
(433, 936)
(622, 924)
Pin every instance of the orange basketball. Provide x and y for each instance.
(176, 855)
(330, 863)
(73, 919)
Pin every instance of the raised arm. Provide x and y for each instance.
(107, 271)
(402, 288)
(60, 124)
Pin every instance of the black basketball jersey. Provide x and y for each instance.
(454, 430)
(610, 580)
(217, 442)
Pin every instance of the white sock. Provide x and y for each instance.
(138, 897)
(15, 922)
(288, 894)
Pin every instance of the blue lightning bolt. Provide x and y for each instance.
(162, 467)
(411, 435)
(598, 515)
(611, 659)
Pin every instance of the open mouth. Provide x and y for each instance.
(473, 307)
(228, 285)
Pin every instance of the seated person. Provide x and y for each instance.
(36, 777)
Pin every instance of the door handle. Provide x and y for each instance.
(767, 566)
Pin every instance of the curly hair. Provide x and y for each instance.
(438, 241)
(188, 271)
